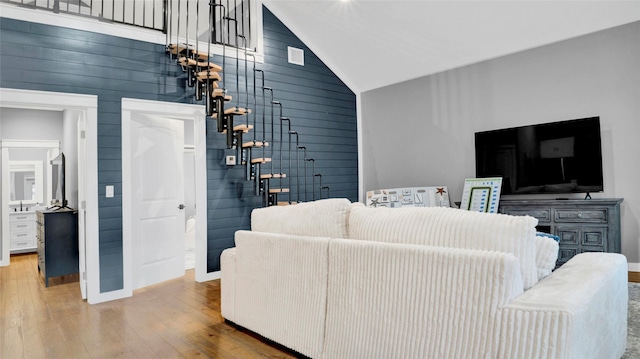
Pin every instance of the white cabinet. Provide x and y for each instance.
(23, 232)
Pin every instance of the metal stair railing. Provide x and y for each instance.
(254, 167)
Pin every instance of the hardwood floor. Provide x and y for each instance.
(176, 319)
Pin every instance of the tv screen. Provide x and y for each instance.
(557, 157)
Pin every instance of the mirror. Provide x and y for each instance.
(26, 183)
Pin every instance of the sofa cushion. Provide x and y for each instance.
(449, 227)
(322, 218)
(412, 301)
(547, 248)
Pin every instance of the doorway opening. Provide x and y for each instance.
(83, 110)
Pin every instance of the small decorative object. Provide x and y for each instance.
(409, 197)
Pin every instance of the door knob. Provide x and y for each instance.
(181, 206)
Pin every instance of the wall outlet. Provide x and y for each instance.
(231, 160)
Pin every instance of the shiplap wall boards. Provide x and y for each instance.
(321, 108)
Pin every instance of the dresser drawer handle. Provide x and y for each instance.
(21, 243)
(21, 225)
(21, 235)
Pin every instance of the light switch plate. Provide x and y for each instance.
(109, 192)
(231, 160)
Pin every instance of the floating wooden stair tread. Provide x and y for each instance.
(260, 160)
(208, 75)
(243, 127)
(239, 128)
(176, 49)
(286, 203)
(184, 61)
(255, 144)
(200, 55)
(273, 175)
(181, 49)
(279, 190)
(235, 110)
(218, 93)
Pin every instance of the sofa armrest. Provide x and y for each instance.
(579, 311)
(281, 288)
(228, 283)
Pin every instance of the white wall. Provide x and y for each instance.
(421, 132)
(21, 124)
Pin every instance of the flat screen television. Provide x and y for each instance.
(558, 157)
(58, 197)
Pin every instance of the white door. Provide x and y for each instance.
(158, 199)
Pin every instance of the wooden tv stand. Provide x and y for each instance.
(591, 225)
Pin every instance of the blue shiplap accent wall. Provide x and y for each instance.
(48, 58)
(322, 109)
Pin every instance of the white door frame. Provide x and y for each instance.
(87, 106)
(131, 107)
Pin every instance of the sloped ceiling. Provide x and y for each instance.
(371, 44)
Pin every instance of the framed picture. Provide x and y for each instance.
(432, 196)
(481, 194)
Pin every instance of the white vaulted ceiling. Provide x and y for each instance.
(370, 44)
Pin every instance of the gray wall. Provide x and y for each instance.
(421, 132)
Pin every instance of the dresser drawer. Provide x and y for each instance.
(590, 236)
(22, 217)
(22, 243)
(582, 216)
(22, 235)
(582, 225)
(22, 226)
(543, 215)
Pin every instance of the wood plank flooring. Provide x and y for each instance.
(176, 319)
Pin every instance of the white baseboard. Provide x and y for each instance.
(634, 267)
(208, 276)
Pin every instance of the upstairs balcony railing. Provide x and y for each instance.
(148, 14)
(231, 22)
(187, 18)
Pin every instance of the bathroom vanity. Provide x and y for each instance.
(22, 228)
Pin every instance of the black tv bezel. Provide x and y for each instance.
(60, 174)
(548, 188)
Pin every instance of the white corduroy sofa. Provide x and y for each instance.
(332, 279)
